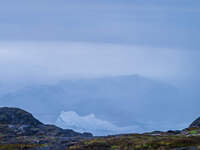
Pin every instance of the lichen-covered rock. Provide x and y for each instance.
(19, 130)
(16, 116)
(17, 122)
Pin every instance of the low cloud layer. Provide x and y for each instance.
(49, 61)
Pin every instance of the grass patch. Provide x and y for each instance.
(138, 142)
(194, 132)
(19, 146)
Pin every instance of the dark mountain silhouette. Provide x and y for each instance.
(16, 121)
(195, 124)
(16, 116)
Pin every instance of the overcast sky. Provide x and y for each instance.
(63, 38)
(42, 41)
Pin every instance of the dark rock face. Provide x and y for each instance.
(21, 130)
(174, 132)
(17, 122)
(195, 124)
(16, 116)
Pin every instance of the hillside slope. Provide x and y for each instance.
(19, 128)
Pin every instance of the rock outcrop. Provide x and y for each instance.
(16, 116)
(195, 124)
(15, 121)
(21, 131)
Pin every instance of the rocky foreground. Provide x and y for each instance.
(187, 139)
(19, 130)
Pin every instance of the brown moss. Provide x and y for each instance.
(138, 142)
(19, 146)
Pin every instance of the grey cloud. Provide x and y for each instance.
(63, 60)
(143, 23)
